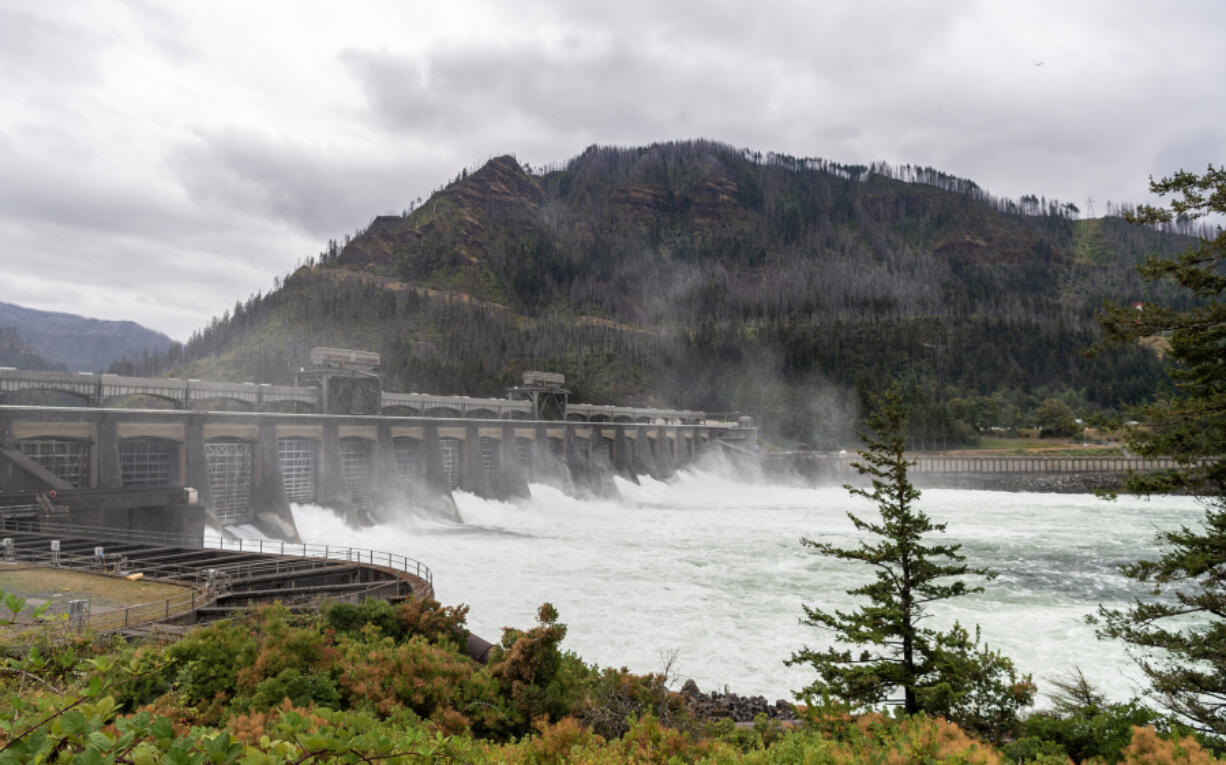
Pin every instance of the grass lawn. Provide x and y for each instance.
(39, 584)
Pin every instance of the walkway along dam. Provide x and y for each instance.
(359, 450)
(1062, 473)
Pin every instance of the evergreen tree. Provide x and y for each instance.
(939, 673)
(1180, 638)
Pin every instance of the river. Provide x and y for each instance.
(709, 570)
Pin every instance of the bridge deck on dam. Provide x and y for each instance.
(96, 390)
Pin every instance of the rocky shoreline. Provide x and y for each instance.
(741, 709)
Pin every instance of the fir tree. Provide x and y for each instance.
(1179, 639)
(940, 673)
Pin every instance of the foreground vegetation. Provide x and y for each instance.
(378, 683)
(1179, 639)
(887, 647)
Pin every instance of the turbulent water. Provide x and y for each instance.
(710, 571)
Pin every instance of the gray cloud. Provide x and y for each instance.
(160, 162)
(47, 50)
(316, 188)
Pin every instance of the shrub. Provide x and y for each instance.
(1148, 748)
(1091, 731)
(206, 661)
(348, 619)
(979, 690)
(556, 741)
(534, 675)
(416, 674)
(1034, 749)
(615, 697)
(433, 621)
(134, 675)
(917, 738)
(300, 689)
(284, 646)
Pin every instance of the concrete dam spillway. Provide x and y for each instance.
(357, 449)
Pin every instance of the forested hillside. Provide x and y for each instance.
(79, 343)
(14, 353)
(699, 275)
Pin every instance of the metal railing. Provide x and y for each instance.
(324, 552)
(116, 619)
(219, 575)
(207, 580)
(100, 533)
(1009, 464)
(210, 542)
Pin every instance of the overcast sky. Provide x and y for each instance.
(160, 160)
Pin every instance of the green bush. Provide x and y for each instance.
(980, 689)
(301, 689)
(1034, 749)
(134, 675)
(536, 677)
(206, 662)
(434, 621)
(380, 674)
(1093, 731)
(347, 619)
(614, 698)
(286, 642)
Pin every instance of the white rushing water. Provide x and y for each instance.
(711, 569)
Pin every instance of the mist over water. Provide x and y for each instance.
(712, 569)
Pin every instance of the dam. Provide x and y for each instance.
(334, 439)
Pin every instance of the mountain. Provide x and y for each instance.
(14, 353)
(78, 343)
(700, 275)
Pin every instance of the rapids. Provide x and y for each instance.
(709, 571)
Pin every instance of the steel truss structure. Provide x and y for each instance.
(148, 462)
(229, 466)
(449, 449)
(358, 465)
(65, 458)
(299, 458)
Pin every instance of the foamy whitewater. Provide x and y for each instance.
(712, 570)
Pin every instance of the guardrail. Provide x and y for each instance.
(325, 552)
